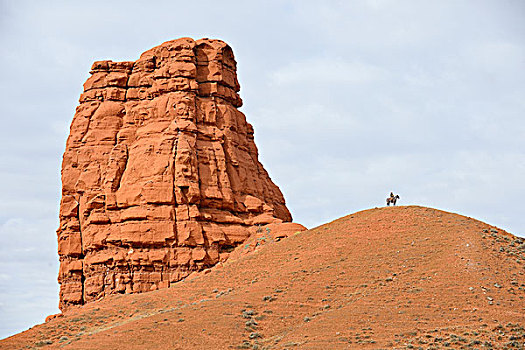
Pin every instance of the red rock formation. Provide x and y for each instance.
(160, 176)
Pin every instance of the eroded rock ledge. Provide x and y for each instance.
(160, 176)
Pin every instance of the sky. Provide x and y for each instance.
(349, 100)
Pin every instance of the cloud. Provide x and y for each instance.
(328, 71)
(28, 272)
(499, 59)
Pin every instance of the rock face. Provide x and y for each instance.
(160, 176)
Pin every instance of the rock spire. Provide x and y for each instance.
(160, 176)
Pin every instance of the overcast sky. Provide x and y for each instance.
(349, 100)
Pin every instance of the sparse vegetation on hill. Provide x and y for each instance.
(397, 277)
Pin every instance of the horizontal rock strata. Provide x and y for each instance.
(160, 176)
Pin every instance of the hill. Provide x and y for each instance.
(395, 277)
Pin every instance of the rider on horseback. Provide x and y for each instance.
(392, 199)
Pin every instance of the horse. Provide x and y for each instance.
(392, 199)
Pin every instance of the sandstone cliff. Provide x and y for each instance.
(160, 176)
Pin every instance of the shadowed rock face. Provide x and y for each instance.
(160, 176)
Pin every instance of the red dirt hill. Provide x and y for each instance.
(402, 277)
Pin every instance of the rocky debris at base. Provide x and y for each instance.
(262, 235)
